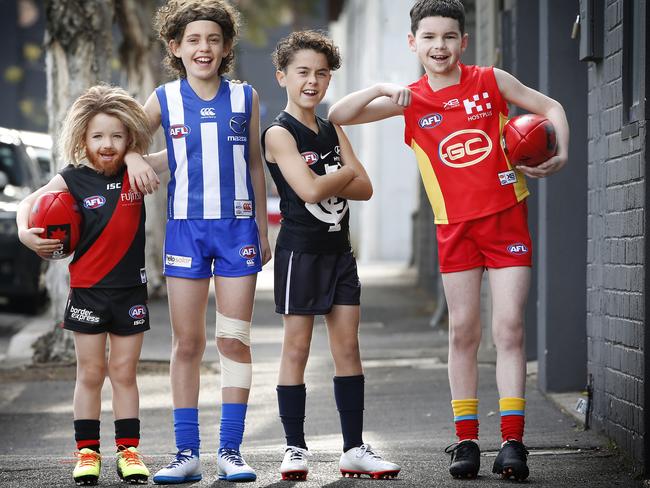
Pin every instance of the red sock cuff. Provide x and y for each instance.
(87, 443)
(127, 442)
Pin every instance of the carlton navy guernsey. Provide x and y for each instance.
(456, 135)
(207, 149)
(110, 252)
(322, 227)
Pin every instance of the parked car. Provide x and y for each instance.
(39, 147)
(21, 270)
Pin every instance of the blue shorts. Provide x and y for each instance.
(200, 248)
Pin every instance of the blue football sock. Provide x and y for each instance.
(233, 417)
(186, 429)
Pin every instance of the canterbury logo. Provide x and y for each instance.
(208, 112)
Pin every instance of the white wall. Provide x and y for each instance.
(372, 37)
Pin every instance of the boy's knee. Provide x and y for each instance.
(232, 348)
(509, 337)
(188, 348)
(465, 339)
(296, 353)
(92, 376)
(122, 372)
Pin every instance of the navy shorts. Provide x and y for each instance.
(200, 248)
(120, 311)
(310, 284)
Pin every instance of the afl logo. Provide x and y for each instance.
(310, 157)
(179, 130)
(94, 202)
(430, 121)
(138, 312)
(518, 249)
(248, 252)
(238, 124)
(465, 148)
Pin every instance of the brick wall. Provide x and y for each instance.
(615, 252)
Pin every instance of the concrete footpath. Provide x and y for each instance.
(408, 416)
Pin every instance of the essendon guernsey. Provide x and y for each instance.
(455, 133)
(110, 253)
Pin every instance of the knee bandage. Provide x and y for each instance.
(233, 373)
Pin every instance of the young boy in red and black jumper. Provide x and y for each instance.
(454, 117)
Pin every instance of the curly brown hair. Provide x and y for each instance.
(172, 18)
(306, 39)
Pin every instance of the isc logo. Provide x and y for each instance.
(310, 157)
(179, 130)
(465, 148)
(114, 186)
(430, 121)
(248, 252)
(518, 248)
(138, 311)
(94, 202)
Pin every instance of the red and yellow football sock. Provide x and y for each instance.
(512, 418)
(466, 418)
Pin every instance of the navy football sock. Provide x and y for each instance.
(291, 404)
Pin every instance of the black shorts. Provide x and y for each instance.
(120, 311)
(310, 284)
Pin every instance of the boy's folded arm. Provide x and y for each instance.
(377, 102)
(281, 149)
(360, 188)
(533, 101)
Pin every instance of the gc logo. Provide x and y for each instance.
(465, 148)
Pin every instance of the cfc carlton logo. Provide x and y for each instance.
(465, 148)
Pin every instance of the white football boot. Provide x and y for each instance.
(184, 468)
(294, 465)
(232, 466)
(362, 460)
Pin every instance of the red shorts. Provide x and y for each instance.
(499, 240)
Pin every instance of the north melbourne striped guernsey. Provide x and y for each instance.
(208, 151)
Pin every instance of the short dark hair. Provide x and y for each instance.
(452, 9)
(306, 39)
(172, 18)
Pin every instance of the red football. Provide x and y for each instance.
(529, 140)
(58, 214)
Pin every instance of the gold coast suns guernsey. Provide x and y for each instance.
(455, 133)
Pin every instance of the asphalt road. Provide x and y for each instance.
(407, 411)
